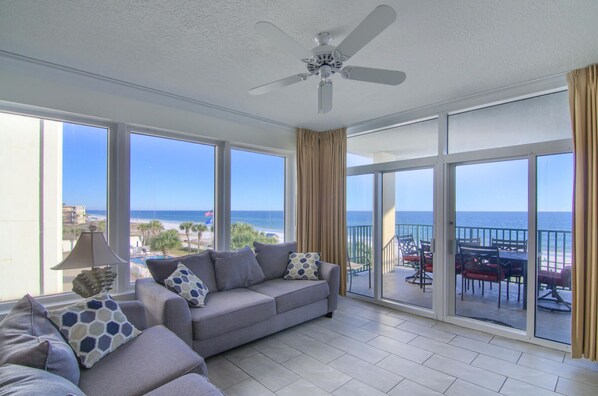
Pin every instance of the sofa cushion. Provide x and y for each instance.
(274, 258)
(149, 361)
(28, 338)
(200, 264)
(303, 266)
(230, 310)
(236, 269)
(184, 283)
(94, 327)
(18, 380)
(290, 295)
(190, 384)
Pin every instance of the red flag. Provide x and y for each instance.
(209, 213)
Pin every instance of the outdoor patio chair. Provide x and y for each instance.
(483, 264)
(358, 264)
(409, 251)
(410, 255)
(427, 263)
(465, 242)
(516, 268)
(553, 280)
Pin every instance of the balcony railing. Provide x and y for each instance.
(553, 246)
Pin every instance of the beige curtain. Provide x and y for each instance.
(321, 190)
(583, 102)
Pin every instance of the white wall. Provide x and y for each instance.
(39, 85)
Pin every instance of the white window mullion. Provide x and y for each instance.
(118, 215)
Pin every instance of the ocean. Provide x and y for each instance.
(274, 220)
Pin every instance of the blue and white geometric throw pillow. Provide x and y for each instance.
(184, 282)
(94, 327)
(303, 266)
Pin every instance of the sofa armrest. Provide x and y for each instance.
(331, 273)
(165, 307)
(135, 313)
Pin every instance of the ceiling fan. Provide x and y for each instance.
(325, 60)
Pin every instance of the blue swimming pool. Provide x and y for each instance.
(141, 260)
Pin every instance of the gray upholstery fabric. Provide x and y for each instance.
(165, 307)
(145, 363)
(190, 384)
(28, 338)
(229, 310)
(200, 264)
(16, 380)
(290, 294)
(236, 269)
(331, 274)
(223, 342)
(135, 313)
(274, 258)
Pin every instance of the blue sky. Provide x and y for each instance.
(167, 174)
(496, 186)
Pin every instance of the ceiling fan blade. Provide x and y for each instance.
(369, 74)
(374, 24)
(324, 97)
(262, 89)
(281, 40)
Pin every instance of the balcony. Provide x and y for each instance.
(554, 254)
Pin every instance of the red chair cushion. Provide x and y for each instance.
(411, 258)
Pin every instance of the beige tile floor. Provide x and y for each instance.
(371, 350)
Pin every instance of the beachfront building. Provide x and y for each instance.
(30, 206)
(473, 150)
(73, 214)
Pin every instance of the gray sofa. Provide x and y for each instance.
(239, 315)
(156, 362)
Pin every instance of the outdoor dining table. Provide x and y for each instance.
(513, 257)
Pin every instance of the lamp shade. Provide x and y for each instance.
(91, 250)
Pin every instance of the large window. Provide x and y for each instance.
(54, 184)
(257, 198)
(172, 199)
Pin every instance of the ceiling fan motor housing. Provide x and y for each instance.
(325, 62)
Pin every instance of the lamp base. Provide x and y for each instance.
(91, 282)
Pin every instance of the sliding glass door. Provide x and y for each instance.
(553, 245)
(491, 239)
(360, 239)
(407, 236)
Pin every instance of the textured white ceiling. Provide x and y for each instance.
(207, 50)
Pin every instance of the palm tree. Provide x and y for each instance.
(155, 226)
(165, 241)
(187, 226)
(199, 228)
(144, 228)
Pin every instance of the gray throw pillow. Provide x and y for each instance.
(200, 264)
(236, 269)
(16, 380)
(28, 338)
(273, 259)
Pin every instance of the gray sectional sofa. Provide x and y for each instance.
(232, 317)
(156, 362)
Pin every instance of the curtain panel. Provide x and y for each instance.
(583, 103)
(321, 196)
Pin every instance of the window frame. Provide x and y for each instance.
(443, 163)
(118, 188)
(33, 112)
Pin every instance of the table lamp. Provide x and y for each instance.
(93, 251)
